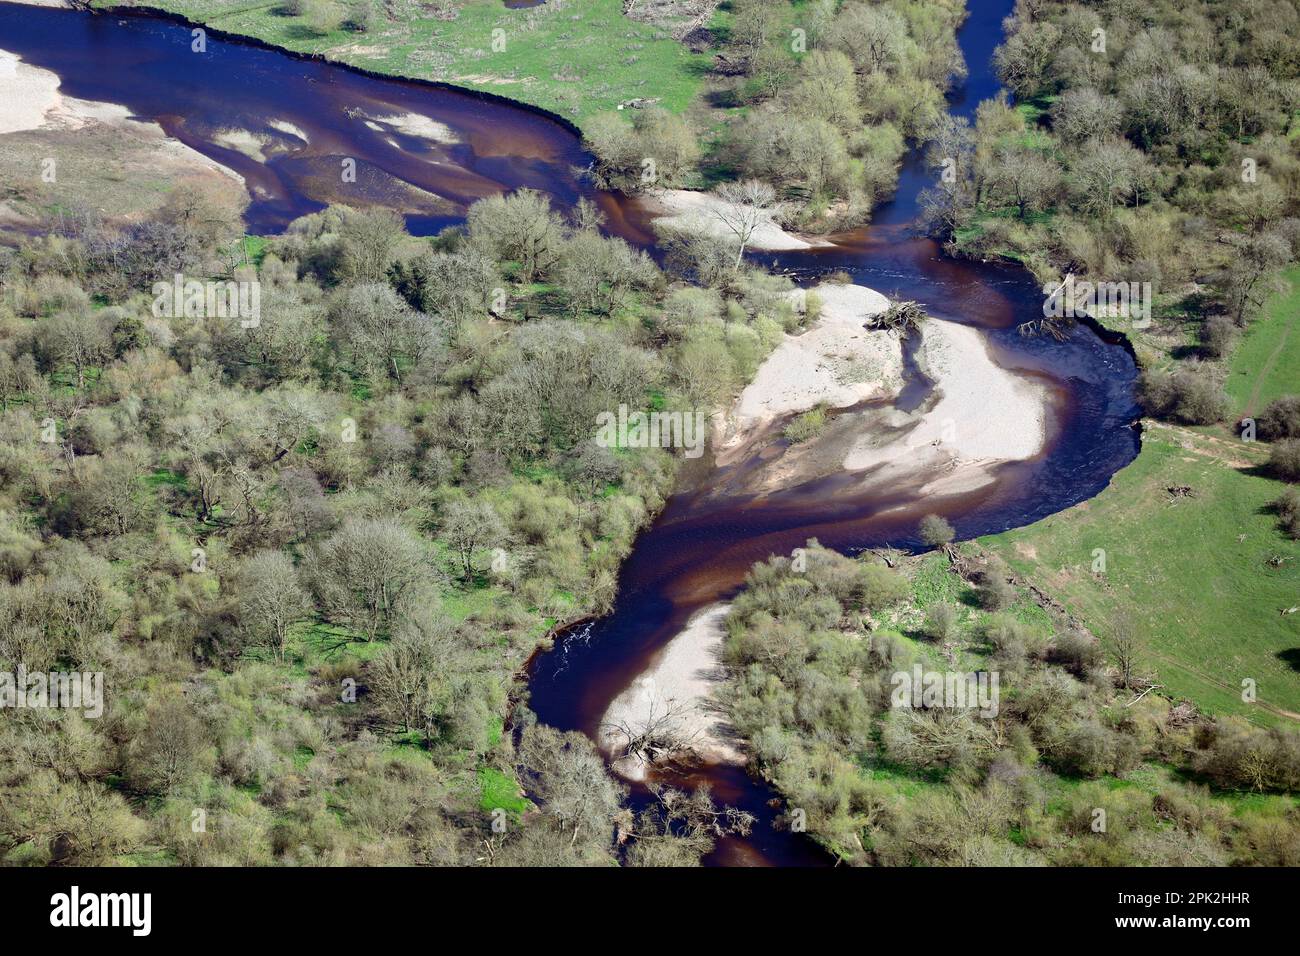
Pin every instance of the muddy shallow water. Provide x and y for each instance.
(289, 124)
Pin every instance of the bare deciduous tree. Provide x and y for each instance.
(367, 570)
(1124, 647)
(271, 600)
(471, 526)
(745, 206)
(411, 678)
(654, 737)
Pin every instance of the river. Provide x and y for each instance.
(429, 151)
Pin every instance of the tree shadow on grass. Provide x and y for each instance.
(1260, 471)
(300, 31)
(722, 99)
(1290, 657)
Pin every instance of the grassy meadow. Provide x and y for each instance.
(1194, 576)
(1266, 365)
(1205, 578)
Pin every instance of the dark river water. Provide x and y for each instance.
(308, 118)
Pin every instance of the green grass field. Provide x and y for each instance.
(572, 57)
(1266, 364)
(1196, 577)
(1192, 575)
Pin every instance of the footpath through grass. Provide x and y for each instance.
(572, 57)
(1266, 364)
(1202, 579)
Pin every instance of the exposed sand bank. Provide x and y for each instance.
(242, 141)
(984, 415)
(678, 689)
(978, 416)
(30, 100)
(419, 126)
(698, 212)
(838, 362)
(289, 129)
(97, 147)
(27, 94)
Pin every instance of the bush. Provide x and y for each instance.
(880, 587)
(806, 426)
(622, 149)
(1009, 636)
(940, 621)
(935, 530)
(996, 592)
(1075, 650)
(323, 16)
(1085, 748)
(1191, 396)
(364, 17)
(1284, 462)
(1281, 419)
(1235, 755)
(1287, 506)
(1218, 336)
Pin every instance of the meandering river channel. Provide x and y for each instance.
(429, 152)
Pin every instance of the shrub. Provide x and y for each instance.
(1287, 506)
(1281, 419)
(879, 587)
(364, 17)
(1081, 747)
(940, 621)
(996, 592)
(935, 530)
(1218, 335)
(1075, 650)
(806, 426)
(1010, 636)
(1191, 396)
(1235, 755)
(1284, 461)
(323, 16)
(621, 148)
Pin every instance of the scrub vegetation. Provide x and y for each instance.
(1076, 764)
(1142, 144)
(311, 553)
(816, 99)
(1159, 145)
